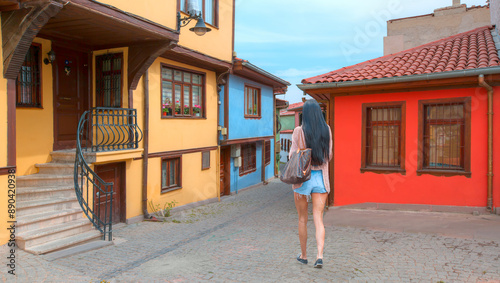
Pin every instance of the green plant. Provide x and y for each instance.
(158, 211)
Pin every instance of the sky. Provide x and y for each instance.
(298, 39)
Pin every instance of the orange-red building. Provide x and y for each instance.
(416, 127)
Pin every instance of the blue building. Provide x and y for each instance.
(248, 126)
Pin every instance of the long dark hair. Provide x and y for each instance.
(316, 132)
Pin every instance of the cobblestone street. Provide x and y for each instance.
(252, 237)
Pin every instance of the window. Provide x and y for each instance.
(209, 10)
(181, 93)
(444, 137)
(248, 159)
(28, 83)
(383, 137)
(252, 102)
(109, 80)
(267, 157)
(205, 160)
(170, 174)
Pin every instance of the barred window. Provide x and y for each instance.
(28, 82)
(444, 130)
(248, 158)
(383, 136)
(109, 80)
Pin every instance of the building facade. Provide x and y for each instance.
(416, 127)
(125, 89)
(248, 113)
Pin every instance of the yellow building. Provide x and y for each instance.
(114, 95)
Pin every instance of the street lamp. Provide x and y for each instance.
(194, 13)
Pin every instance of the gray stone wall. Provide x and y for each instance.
(495, 13)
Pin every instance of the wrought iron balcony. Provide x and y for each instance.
(110, 129)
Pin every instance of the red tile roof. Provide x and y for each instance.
(286, 113)
(295, 105)
(290, 110)
(469, 50)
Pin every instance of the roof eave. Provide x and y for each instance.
(402, 79)
(248, 70)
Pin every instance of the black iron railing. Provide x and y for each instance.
(102, 129)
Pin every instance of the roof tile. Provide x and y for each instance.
(468, 50)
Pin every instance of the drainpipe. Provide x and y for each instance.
(146, 148)
(482, 83)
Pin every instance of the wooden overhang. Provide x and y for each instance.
(244, 69)
(192, 57)
(87, 25)
(281, 104)
(9, 5)
(324, 94)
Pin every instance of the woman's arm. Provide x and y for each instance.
(295, 140)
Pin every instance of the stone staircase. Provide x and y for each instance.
(49, 217)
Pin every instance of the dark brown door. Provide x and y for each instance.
(71, 94)
(112, 173)
(224, 172)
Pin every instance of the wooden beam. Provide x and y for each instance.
(179, 152)
(192, 57)
(7, 170)
(142, 56)
(247, 140)
(19, 28)
(12, 7)
(11, 123)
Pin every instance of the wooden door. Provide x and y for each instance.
(71, 94)
(114, 173)
(224, 172)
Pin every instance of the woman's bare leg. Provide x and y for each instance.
(301, 205)
(319, 201)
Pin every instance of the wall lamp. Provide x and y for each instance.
(51, 57)
(194, 13)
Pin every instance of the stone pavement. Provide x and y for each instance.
(252, 237)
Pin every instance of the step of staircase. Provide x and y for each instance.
(56, 168)
(37, 193)
(47, 219)
(36, 237)
(81, 248)
(27, 207)
(41, 180)
(64, 243)
(68, 156)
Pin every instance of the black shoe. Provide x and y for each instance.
(318, 263)
(301, 260)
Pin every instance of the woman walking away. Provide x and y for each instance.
(315, 134)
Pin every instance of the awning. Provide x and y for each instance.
(87, 24)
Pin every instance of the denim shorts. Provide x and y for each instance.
(314, 185)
